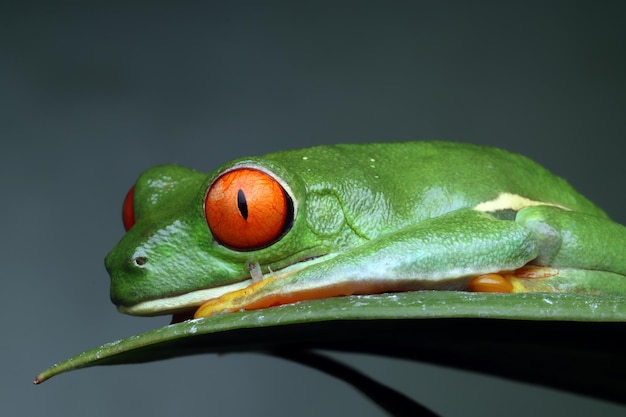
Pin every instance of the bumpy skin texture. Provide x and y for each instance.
(367, 218)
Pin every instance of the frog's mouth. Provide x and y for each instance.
(181, 303)
(183, 306)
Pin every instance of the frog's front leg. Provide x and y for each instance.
(439, 253)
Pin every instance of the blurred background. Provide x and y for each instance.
(90, 96)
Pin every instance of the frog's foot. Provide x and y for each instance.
(235, 300)
(263, 294)
(525, 279)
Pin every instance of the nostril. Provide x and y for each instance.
(140, 260)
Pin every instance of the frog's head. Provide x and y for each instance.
(193, 237)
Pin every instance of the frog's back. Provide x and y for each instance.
(396, 182)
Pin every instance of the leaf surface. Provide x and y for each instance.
(573, 342)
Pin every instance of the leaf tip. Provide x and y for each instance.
(40, 378)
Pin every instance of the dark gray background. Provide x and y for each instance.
(90, 97)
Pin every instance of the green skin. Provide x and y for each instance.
(375, 217)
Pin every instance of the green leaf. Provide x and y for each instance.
(568, 341)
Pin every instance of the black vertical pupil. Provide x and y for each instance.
(242, 204)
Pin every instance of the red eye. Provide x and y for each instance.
(128, 211)
(247, 209)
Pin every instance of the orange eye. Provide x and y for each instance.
(128, 210)
(247, 209)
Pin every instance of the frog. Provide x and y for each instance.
(353, 220)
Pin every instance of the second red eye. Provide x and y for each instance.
(128, 210)
(246, 209)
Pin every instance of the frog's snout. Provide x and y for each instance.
(126, 272)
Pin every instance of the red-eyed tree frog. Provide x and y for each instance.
(357, 219)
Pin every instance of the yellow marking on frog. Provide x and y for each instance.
(510, 201)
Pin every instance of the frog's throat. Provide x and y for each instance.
(180, 302)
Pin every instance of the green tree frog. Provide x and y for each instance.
(357, 219)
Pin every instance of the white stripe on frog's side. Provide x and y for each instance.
(509, 201)
(180, 302)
